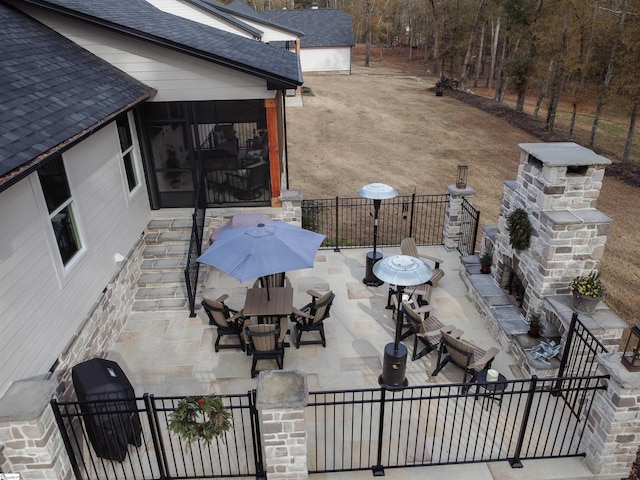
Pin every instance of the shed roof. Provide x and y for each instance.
(321, 27)
(53, 94)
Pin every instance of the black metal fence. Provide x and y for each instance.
(441, 424)
(348, 221)
(469, 221)
(134, 443)
(192, 268)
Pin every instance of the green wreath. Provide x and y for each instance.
(200, 418)
(519, 228)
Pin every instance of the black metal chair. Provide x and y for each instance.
(265, 342)
(227, 321)
(249, 183)
(310, 318)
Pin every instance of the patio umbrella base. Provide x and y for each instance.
(394, 367)
(370, 279)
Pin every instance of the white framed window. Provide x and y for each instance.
(129, 155)
(61, 210)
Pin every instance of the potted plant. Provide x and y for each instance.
(587, 292)
(519, 228)
(200, 418)
(486, 260)
(534, 324)
(172, 165)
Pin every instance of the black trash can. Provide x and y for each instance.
(110, 414)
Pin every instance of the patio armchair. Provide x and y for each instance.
(408, 247)
(426, 328)
(310, 318)
(421, 294)
(227, 320)
(465, 355)
(265, 342)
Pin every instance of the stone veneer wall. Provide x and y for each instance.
(569, 234)
(29, 438)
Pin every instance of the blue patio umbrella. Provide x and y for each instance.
(259, 250)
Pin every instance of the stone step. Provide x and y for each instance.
(163, 264)
(172, 224)
(174, 250)
(161, 304)
(168, 238)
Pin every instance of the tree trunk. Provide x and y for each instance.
(479, 61)
(543, 90)
(500, 80)
(632, 127)
(558, 77)
(367, 29)
(607, 78)
(467, 57)
(495, 33)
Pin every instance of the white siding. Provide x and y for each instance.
(39, 311)
(326, 59)
(195, 14)
(177, 77)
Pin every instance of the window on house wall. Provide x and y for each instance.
(57, 196)
(128, 153)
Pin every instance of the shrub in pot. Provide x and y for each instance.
(486, 260)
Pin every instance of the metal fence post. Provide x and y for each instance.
(378, 468)
(156, 438)
(65, 439)
(255, 434)
(515, 461)
(337, 247)
(412, 213)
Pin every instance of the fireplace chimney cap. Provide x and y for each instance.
(563, 154)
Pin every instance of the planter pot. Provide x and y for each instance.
(176, 184)
(583, 304)
(533, 332)
(485, 269)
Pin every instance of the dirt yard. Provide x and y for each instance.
(383, 124)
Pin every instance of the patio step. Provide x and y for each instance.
(161, 284)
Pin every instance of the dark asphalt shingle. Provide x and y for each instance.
(51, 89)
(140, 18)
(321, 27)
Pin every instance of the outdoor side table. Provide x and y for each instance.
(490, 390)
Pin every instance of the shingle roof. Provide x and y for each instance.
(51, 92)
(212, 8)
(321, 27)
(138, 18)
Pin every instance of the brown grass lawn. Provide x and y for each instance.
(382, 124)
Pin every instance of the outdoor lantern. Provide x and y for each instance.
(401, 271)
(377, 192)
(461, 181)
(631, 353)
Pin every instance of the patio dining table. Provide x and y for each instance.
(277, 302)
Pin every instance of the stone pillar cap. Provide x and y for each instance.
(281, 389)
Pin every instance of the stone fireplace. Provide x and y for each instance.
(558, 185)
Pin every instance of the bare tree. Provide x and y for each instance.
(607, 78)
(495, 34)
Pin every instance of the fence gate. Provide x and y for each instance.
(469, 221)
(129, 439)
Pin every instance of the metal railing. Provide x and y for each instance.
(348, 221)
(192, 268)
(469, 221)
(445, 424)
(129, 439)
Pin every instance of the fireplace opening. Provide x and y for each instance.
(514, 287)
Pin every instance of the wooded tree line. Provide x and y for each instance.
(585, 52)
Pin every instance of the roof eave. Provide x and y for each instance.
(17, 174)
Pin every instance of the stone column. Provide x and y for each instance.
(612, 432)
(281, 397)
(292, 206)
(453, 217)
(33, 447)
